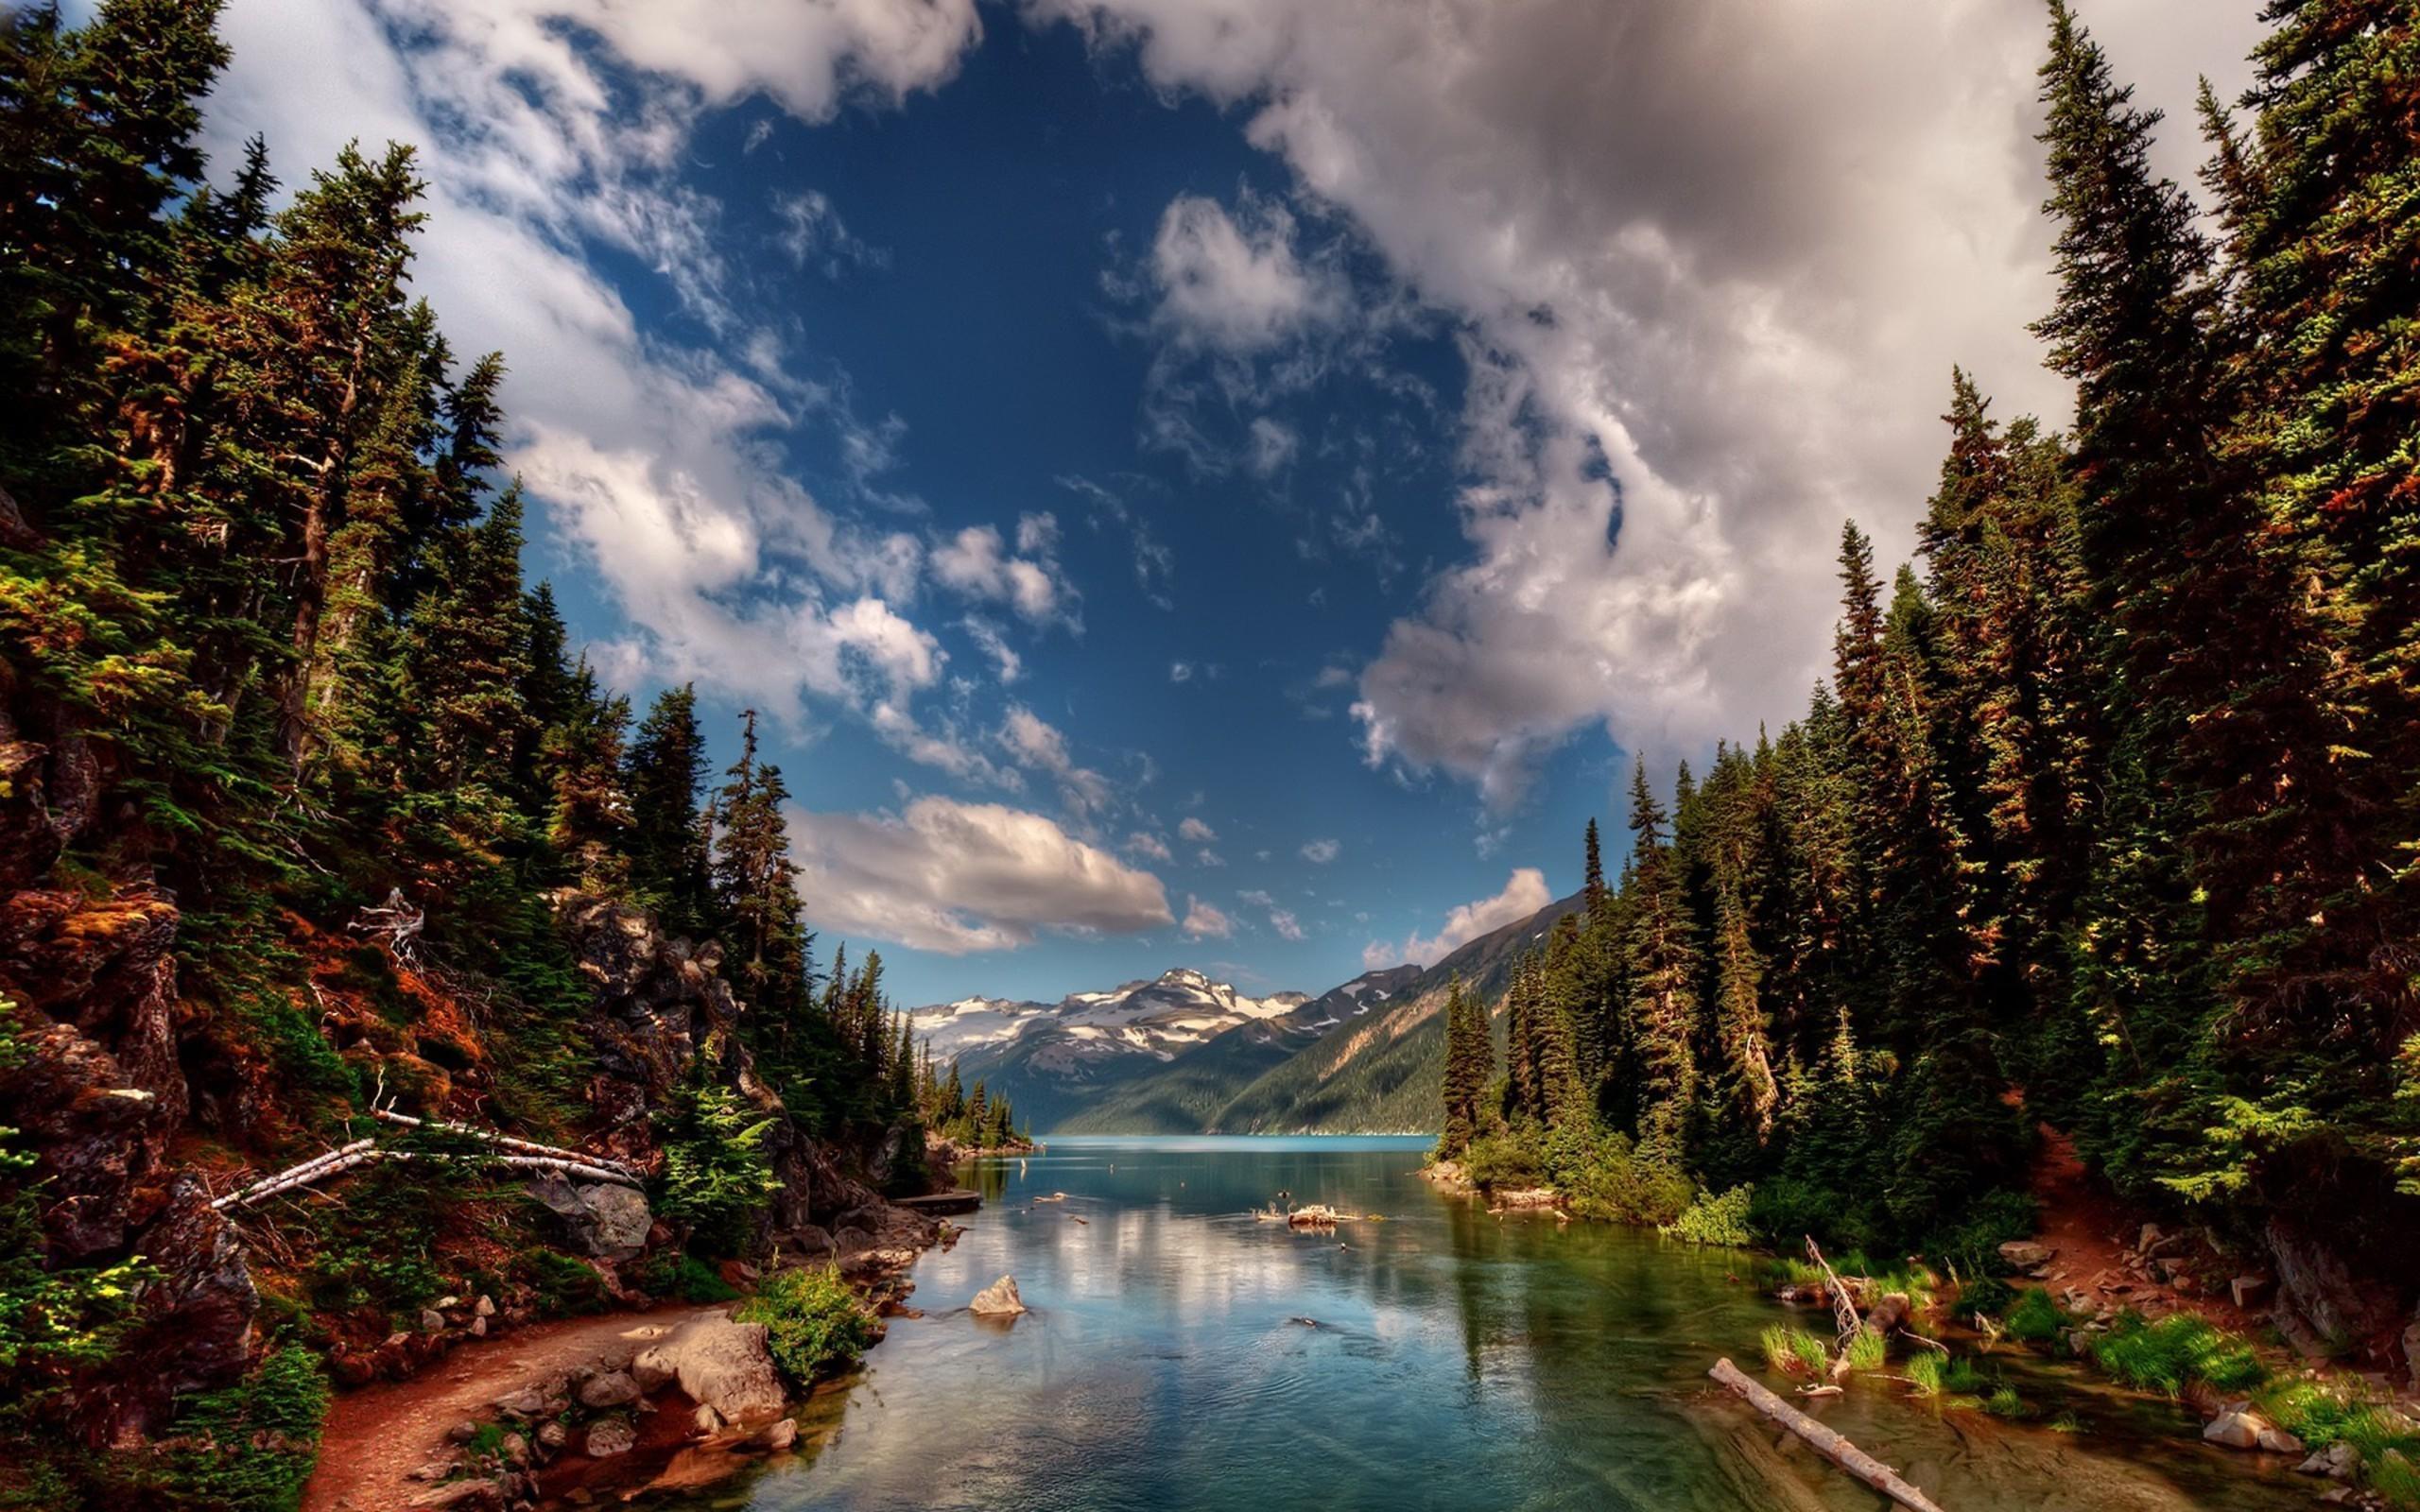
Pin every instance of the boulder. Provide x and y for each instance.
(999, 1300)
(615, 1388)
(431, 1320)
(604, 1219)
(2338, 1462)
(2278, 1441)
(608, 1436)
(2316, 1287)
(2024, 1254)
(526, 1402)
(776, 1436)
(2238, 1428)
(720, 1364)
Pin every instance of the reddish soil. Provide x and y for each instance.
(378, 1435)
(2092, 1239)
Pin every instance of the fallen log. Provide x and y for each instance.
(1822, 1440)
(505, 1140)
(360, 1152)
(302, 1174)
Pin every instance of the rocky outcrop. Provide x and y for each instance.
(721, 1365)
(2320, 1301)
(602, 1219)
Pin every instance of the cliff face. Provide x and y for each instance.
(129, 1104)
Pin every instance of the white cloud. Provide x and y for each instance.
(976, 563)
(1273, 445)
(1205, 922)
(546, 129)
(1697, 337)
(1320, 852)
(1180, 672)
(1207, 858)
(1257, 898)
(989, 640)
(1234, 281)
(1143, 843)
(1524, 894)
(955, 878)
(815, 237)
(1286, 925)
(1195, 830)
(1036, 743)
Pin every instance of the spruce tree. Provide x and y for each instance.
(669, 840)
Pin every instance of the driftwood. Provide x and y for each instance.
(1844, 1311)
(397, 923)
(1824, 1441)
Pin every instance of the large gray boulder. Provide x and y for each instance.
(719, 1363)
(604, 1219)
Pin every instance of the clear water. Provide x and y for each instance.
(1459, 1360)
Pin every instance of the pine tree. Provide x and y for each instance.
(1664, 995)
(1468, 1071)
(756, 885)
(669, 840)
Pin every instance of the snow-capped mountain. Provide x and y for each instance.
(1052, 1057)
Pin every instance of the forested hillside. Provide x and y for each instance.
(2106, 817)
(305, 804)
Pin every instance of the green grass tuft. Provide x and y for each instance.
(2168, 1355)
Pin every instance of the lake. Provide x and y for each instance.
(1459, 1361)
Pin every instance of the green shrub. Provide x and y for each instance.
(1972, 1241)
(2323, 1413)
(673, 1273)
(1783, 1211)
(2172, 1353)
(815, 1323)
(232, 1464)
(716, 1175)
(1715, 1220)
(1987, 1295)
(562, 1284)
(2037, 1319)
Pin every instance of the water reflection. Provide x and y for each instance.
(1458, 1362)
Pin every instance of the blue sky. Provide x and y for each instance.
(1219, 483)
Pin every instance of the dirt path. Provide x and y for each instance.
(378, 1435)
(2093, 1239)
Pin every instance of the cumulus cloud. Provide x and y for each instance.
(1195, 830)
(1205, 922)
(978, 562)
(549, 129)
(1524, 894)
(955, 878)
(1696, 338)
(1320, 852)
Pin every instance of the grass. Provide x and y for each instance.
(2067, 1422)
(1795, 1349)
(2172, 1353)
(2005, 1402)
(1868, 1351)
(2036, 1319)
(1951, 1379)
(1715, 1220)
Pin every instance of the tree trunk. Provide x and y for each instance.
(1824, 1441)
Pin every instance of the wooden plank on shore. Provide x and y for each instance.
(1824, 1440)
(960, 1200)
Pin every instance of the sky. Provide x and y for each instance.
(1216, 483)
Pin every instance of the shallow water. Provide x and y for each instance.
(1457, 1360)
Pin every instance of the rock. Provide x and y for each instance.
(851, 1240)
(1888, 1314)
(776, 1436)
(2024, 1254)
(463, 1431)
(738, 1274)
(436, 1469)
(650, 1372)
(705, 1419)
(478, 1327)
(431, 1320)
(2317, 1288)
(463, 1496)
(615, 1388)
(2338, 1462)
(999, 1300)
(609, 1436)
(516, 1450)
(720, 1364)
(527, 1403)
(552, 1435)
(484, 1307)
(2238, 1428)
(604, 1219)
(2248, 1290)
(2278, 1441)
